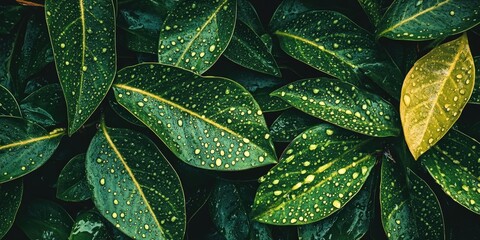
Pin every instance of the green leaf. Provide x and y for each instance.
(33, 51)
(208, 122)
(290, 124)
(342, 104)
(373, 9)
(123, 113)
(453, 163)
(83, 41)
(45, 106)
(11, 15)
(44, 220)
(348, 54)
(475, 98)
(7, 45)
(11, 193)
(89, 226)
(434, 93)
(350, 222)
(418, 20)
(247, 49)
(8, 103)
(133, 185)
(248, 15)
(325, 163)
(72, 183)
(194, 201)
(287, 11)
(24, 147)
(195, 34)
(409, 208)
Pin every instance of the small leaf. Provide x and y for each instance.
(350, 222)
(45, 106)
(44, 220)
(290, 124)
(475, 98)
(89, 226)
(418, 20)
(342, 104)
(24, 147)
(195, 34)
(247, 49)
(72, 183)
(409, 208)
(453, 163)
(8, 104)
(11, 193)
(133, 185)
(347, 55)
(83, 41)
(208, 122)
(325, 163)
(434, 93)
(373, 9)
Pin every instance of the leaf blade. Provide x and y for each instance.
(12, 194)
(72, 183)
(8, 103)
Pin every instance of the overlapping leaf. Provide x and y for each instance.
(453, 163)
(425, 19)
(8, 103)
(208, 122)
(24, 147)
(373, 9)
(434, 93)
(72, 183)
(247, 49)
(10, 17)
(319, 172)
(248, 15)
(342, 104)
(348, 54)
(45, 106)
(409, 208)
(89, 226)
(290, 124)
(11, 193)
(475, 98)
(133, 185)
(82, 34)
(195, 34)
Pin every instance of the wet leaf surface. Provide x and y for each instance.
(72, 183)
(8, 103)
(45, 106)
(11, 196)
(290, 124)
(89, 226)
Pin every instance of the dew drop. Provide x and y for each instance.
(277, 193)
(452, 13)
(329, 132)
(102, 181)
(212, 48)
(337, 204)
(140, 104)
(62, 45)
(406, 99)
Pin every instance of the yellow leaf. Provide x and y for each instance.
(434, 93)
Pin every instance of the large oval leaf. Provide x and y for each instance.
(319, 172)
(195, 34)
(342, 104)
(210, 122)
(350, 222)
(24, 147)
(72, 183)
(83, 40)
(44, 220)
(8, 103)
(11, 193)
(248, 50)
(453, 163)
(133, 185)
(89, 226)
(424, 20)
(45, 106)
(347, 55)
(434, 93)
(409, 208)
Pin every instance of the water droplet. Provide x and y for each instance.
(180, 122)
(465, 187)
(212, 48)
(342, 171)
(337, 204)
(62, 45)
(297, 186)
(277, 193)
(452, 13)
(313, 147)
(140, 104)
(218, 162)
(102, 181)
(309, 178)
(84, 68)
(329, 132)
(406, 100)
(114, 215)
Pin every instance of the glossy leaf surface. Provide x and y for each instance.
(11, 196)
(46, 106)
(475, 98)
(373, 9)
(248, 15)
(195, 34)
(346, 55)
(208, 122)
(453, 163)
(82, 34)
(424, 20)
(139, 195)
(325, 163)
(247, 49)
(350, 222)
(290, 124)
(44, 220)
(7, 44)
(72, 182)
(342, 104)
(434, 93)
(24, 147)
(8, 103)
(89, 226)
(409, 208)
